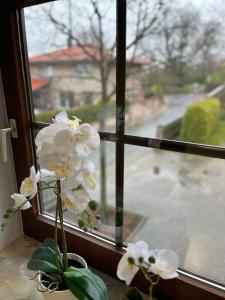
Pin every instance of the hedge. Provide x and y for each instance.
(200, 120)
(86, 113)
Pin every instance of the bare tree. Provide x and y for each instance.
(182, 40)
(206, 44)
(91, 25)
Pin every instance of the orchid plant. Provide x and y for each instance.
(62, 151)
(154, 264)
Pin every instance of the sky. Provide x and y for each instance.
(43, 38)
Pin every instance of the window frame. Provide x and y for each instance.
(17, 85)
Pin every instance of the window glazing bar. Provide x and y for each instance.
(169, 145)
(120, 114)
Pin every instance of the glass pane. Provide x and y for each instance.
(175, 60)
(176, 201)
(105, 197)
(72, 60)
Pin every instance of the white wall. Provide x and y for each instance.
(7, 183)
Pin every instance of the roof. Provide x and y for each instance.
(38, 83)
(76, 54)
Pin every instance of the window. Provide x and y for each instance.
(88, 97)
(15, 70)
(83, 69)
(47, 71)
(67, 99)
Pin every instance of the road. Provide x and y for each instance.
(176, 107)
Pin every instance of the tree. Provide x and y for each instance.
(183, 39)
(90, 24)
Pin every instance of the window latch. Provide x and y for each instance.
(4, 138)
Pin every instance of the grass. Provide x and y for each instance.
(185, 89)
(218, 136)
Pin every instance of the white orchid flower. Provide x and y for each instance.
(64, 138)
(60, 160)
(128, 265)
(62, 118)
(87, 139)
(77, 201)
(166, 263)
(47, 134)
(20, 201)
(84, 176)
(46, 174)
(28, 187)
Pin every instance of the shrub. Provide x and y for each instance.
(200, 120)
(87, 113)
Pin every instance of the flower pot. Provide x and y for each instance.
(64, 294)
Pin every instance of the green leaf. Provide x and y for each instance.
(134, 294)
(45, 253)
(85, 285)
(50, 243)
(42, 265)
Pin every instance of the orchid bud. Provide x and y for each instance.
(130, 260)
(151, 259)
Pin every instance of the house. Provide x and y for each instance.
(70, 77)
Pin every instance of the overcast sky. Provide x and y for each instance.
(42, 36)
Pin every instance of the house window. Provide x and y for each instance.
(83, 69)
(131, 189)
(130, 95)
(67, 99)
(47, 71)
(88, 97)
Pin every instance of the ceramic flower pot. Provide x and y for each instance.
(65, 294)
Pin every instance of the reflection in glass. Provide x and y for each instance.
(176, 201)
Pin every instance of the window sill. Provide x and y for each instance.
(14, 278)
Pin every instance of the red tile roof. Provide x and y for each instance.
(38, 83)
(75, 54)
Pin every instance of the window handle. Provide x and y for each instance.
(3, 138)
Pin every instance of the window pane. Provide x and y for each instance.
(176, 201)
(175, 60)
(105, 197)
(72, 60)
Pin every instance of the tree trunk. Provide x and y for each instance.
(103, 117)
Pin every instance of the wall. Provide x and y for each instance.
(7, 184)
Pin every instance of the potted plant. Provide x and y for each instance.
(154, 264)
(62, 150)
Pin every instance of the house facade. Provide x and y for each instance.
(69, 78)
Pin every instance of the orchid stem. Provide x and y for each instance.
(60, 211)
(56, 224)
(152, 283)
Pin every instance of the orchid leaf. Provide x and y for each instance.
(85, 285)
(42, 265)
(50, 243)
(45, 253)
(45, 258)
